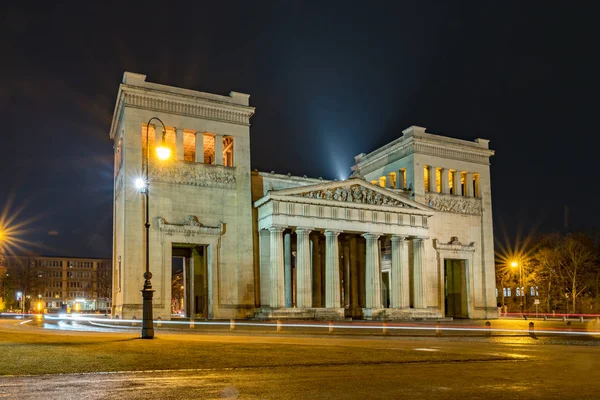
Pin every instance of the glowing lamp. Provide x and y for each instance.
(514, 264)
(163, 152)
(140, 183)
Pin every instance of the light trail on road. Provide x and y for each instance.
(118, 324)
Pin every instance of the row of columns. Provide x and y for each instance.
(280, 271)
(199, 141)
(456, 184)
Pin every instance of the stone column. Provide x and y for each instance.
(218, 150)
(178, 144)
(277, 274)
(287, 260)
(332, 270)
(456, 183)
(372, 272)
(418, 274)
(432, 179)
(303, 264)
(200, 147)
(265, 267)
(398, 286)
(469, 184)
(445, 181)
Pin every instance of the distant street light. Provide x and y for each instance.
(163, 153)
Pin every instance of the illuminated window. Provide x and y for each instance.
(382, 181)
(150, 135)
(170, 142)
(533, 291)
(463, 184)
(451, 181)
(392, 178)
(476, 185)
(209, 148)
(374, 182)
(189, 146)
(426, 177)
(228, 151)
(506, 292)
(438, 180)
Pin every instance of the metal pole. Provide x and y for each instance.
(522, 289)
(147, 292)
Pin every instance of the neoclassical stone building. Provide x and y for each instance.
(408, 235)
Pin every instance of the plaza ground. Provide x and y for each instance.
(193, 363)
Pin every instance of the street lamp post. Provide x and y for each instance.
(521, 288)
(163, 152)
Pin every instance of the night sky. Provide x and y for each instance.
(328, 80)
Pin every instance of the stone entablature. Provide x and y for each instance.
(135, 92)
(454, 204)
(301, 207)
(416, 141)
(190, 227)
(195, 174)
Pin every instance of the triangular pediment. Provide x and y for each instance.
(353, 191)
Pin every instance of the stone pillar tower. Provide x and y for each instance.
(200, 198)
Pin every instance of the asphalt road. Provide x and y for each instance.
(498, 371)
(418, 367)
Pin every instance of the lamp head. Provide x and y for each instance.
(140, 183)
(163, 152)
(514, 264)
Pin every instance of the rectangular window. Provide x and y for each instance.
(506, 292)
(451, 181)
(189, 146)
(392, 179)
(438, 180)
(228, 151)
(209, 148)
(426, 178)
(382, 181)
(463, 184)
(151, 137)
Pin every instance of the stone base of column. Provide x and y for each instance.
(401, 314)
(327, 314)
(410, 314)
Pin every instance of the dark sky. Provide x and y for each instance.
(329, 80)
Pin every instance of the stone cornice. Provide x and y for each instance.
(403, 147)
(179, 104)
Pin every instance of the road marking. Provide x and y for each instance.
(24, 322)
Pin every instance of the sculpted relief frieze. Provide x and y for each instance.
(354, 194)
(454, 204)
(193, 174)
(191, 226)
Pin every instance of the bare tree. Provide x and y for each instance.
(576, 263)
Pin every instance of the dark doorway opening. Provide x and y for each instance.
(189, 283)
(455, 288)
